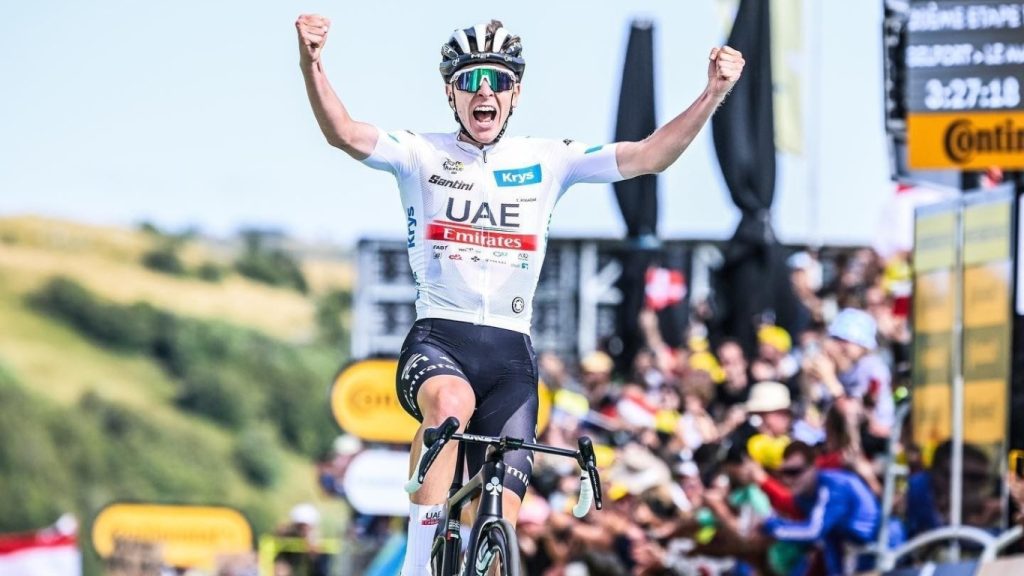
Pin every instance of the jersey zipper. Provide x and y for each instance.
(485, 300)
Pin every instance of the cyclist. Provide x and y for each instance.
(477, 207)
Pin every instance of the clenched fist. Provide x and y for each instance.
(724, 68)
(312, 29)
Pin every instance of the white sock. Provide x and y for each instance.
(423, 520)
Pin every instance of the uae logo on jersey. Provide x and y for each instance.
(453, 166)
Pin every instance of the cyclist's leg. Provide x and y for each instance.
(439, 398)
(431, 387)
(509, 408)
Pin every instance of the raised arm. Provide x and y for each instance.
(659, 150)
(357, 139)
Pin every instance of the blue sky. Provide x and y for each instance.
(194, 113)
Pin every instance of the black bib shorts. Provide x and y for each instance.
(500, 366)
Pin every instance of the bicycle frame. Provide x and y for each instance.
(488, 484)
(459, 495)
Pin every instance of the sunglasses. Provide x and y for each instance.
(470, 80)
(793, 471)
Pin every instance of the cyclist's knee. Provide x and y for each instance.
(444, 396)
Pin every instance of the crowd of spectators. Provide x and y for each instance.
(721, 460)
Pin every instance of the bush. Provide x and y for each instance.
(330, 309)
(271, 266)
(150, 228)
(215, 395)
(210, 272)
(164, 259)
(257, 456)
(131, 327)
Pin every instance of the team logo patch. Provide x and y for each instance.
(453, 166)
(518, 304)
(518, 176)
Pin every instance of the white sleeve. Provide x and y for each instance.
(394, 152)
(590, 164)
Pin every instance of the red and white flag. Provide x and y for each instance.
(664, 288)
(49, 552)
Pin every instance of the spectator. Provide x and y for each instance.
(843, 449)
(696, 427)
(331, 471)
(805, 276)
(596, 378)
(304, 523)
(838, 506)
(1015, 483)
(645, 369)
(771, 415)
(850, 368)
(735, 389)
(929, 490)
(774, 361)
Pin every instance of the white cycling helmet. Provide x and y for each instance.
(482, 44)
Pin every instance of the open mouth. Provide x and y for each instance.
(485, 114)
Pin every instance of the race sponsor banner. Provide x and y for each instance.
(365, 403)
(188, 536)
(935, 239)
(965, 62)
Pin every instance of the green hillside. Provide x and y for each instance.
(120, 382)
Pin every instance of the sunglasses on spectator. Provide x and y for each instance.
(793, 471)
(470, 79)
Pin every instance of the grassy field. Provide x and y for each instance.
(107, 262)
(58, 364)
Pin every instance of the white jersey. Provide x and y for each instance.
(478, 218)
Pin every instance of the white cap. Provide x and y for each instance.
(347, 444)
(305, 513)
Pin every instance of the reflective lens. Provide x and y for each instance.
(471, 79)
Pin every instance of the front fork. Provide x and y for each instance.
(490, 511)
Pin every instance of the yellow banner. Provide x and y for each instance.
(788, 59)
(986, 232)
(933, 302)
(985, 412)
(935, 241)
(966, 140)
(932, 411)
(364, 403)
(987, 295)
(189, 536)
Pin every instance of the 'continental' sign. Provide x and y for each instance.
(364, 403)
(965, 62)
(189, 536)
(966, 141)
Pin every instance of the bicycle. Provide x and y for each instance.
(492, 537)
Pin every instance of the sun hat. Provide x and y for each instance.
(768, 397)
(856, 326)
